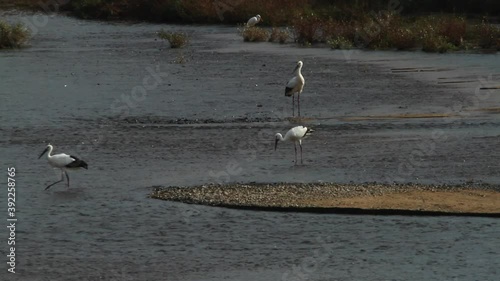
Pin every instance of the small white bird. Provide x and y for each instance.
(254, 20)
(295, 85)
(63, 162)
(295, 134)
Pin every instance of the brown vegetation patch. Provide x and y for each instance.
(254, 34)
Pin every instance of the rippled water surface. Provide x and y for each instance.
(212, 119)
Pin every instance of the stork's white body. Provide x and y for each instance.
(253, 21)
(296, 85)
(295, 135)
(62, 161)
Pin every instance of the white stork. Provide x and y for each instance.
(63, 162)
(254, 20)
(295, 85)
(295, 135)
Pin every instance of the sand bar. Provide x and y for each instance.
(369, 198)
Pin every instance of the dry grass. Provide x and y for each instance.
(254, 34)
(340, 42)
(195, 11)
(436, 44)
(453, 29)
(338, 29)
(13, 35)
(488, 35)
(279, 35)
(441, 34)
(402, 38)
(306, 29)
(376, 28)
(176, 39)
(389, 30)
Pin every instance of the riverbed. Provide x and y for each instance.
(144, 115)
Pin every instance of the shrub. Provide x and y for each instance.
(453, 29)
(176, 39)
(89, 8)
(402, 38)
(13, 36)
(340, 42)
(254, 34)
(488, 35)
(437, 43)
(280, 35)
(424, 28)
(331, 29)
(374, 30)
(307, 29)
(197, 10)
(158, 10)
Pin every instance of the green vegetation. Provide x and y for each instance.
(176, 39)
(13, 35)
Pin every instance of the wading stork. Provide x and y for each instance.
(62, 161)
(295, 85)
(254, 20)
(295, 135)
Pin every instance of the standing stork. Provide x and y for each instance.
(63, 162)
(295, 85)
(254, 20)
(295, 135)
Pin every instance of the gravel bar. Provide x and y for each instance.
(367, 198)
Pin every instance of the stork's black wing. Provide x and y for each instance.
(77, 163)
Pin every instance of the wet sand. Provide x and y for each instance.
(404, 199)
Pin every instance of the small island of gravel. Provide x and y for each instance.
(369, 198)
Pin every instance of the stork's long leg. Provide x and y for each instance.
(67, 177)
(301, 159)
(293, 105)
(298, 102)
(62, 178)
(295, 152)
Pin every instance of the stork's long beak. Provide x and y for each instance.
(295, 69)
(46, 149)
(276, 144)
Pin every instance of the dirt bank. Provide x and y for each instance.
(429, 199)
